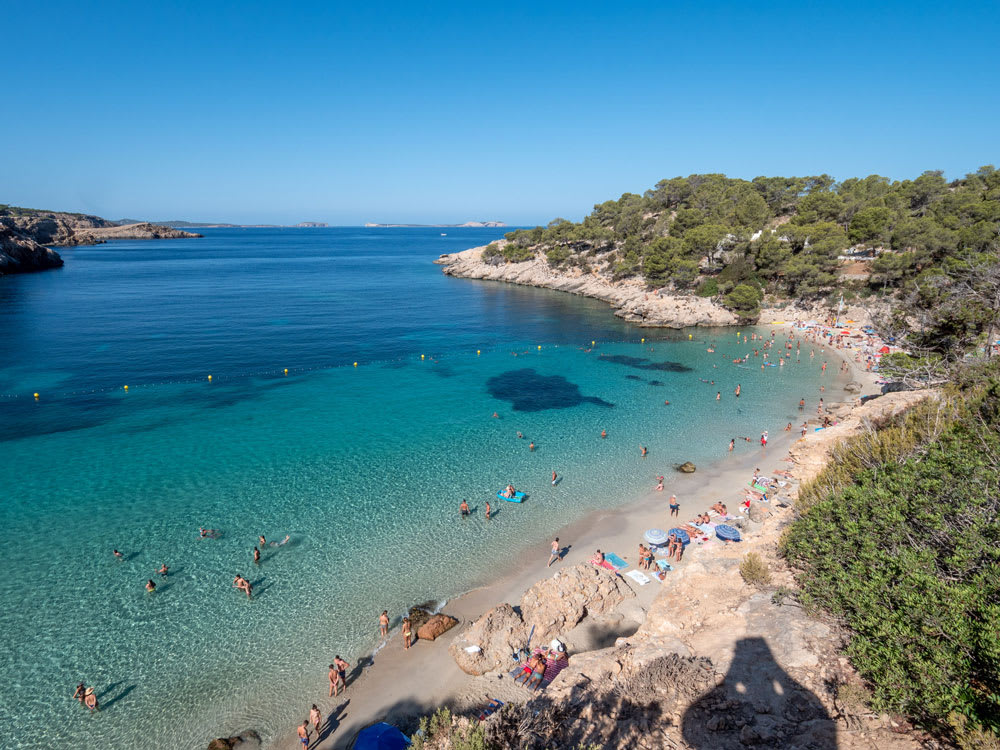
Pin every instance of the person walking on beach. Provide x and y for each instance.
(316, 718)
(303, 732)
(383, 623)
(90, 700)
(675, 507)
(554, 555)
(463, 509)
(407, 634)
(488, 510)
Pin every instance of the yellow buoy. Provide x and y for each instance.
(539, 347)
(593, 343)
(126, 388)
(355, 364)
(690, 336)
(478, 352)
(642, 341)
(210, 377)
(286, 371)
(36, 397)
(421, 356)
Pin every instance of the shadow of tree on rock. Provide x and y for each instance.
(758, 704)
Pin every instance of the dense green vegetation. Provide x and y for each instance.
(899, 539)
(776, 235)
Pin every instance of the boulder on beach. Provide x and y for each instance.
(248, 740)
(554, 605)
(436, 626)
(687, 467)
(489, 642)
(853, 387)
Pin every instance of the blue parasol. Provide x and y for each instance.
(656, 536)
(681, 535)
(727, 533)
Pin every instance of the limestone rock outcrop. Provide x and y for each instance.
(631, 298)
(435, 627)
(20, 254)
(687, 467)
(488, 643)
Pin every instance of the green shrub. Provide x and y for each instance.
(707, 288)
(755, 570)
(516, 254)
(744, 300)
(557, 255)
(900, 541)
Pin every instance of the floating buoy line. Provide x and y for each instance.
(286, 371)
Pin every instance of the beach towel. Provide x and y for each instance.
(612, 558)
(553, 668)
(638, 576)
(604, 564)
(664, 565)
(493, 706)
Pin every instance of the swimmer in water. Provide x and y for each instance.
(659, 485)
(488, 510)
(262, 540)
(520, 435)
(283, 542)
(738, 389)
(802, 403)
(718, 395)
(531, 446)
(118, 555)
(732, 444)
(644, 451)
(554, 476)
(666, 403)
(150, 586)
(496, 416)
(463, 509)
(256, 556)
(163, 570)
(604, 433)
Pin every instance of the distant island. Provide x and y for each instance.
(27, 235)
(453, 226)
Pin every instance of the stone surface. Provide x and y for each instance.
(498, 634)
(687, 467)
(435, 627)
(248, 740)
(20, 254)
(554, 605)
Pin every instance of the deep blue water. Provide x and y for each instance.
(362, 466)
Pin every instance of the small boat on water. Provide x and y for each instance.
(444, 234)
(518, 496)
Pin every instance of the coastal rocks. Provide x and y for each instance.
(53, 228)
(140, 231)
(687, 467)
(853, 387)
(631, 298)
(248, 740)
(554, 605)
(21, 254)
(759, 512)
(488, 643)
(435, 627)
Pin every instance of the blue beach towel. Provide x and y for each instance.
(612, 558)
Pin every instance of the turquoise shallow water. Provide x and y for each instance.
(364, 467)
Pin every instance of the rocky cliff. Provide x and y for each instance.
(19, 253)
(631, 298)
(55, 228)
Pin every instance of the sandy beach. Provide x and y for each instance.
(399, 686)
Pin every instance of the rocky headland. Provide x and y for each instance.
(27, 236)
(631, 298)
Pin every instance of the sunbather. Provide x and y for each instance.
(530, 668)
(537, 675)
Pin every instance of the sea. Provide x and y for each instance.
(330, 386)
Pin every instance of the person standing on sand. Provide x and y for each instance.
(407, 634)
(303, 732)
(339, 667)
(554, 555)
(383, 623)
(675, 507)
(316, 718)
(488, 510)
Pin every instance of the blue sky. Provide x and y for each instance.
(281, 112)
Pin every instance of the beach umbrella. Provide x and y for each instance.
(381, 736)
(681, 535)
(656, 536)
(727, 533)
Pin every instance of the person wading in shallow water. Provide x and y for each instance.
(463, 509)
(555, 552)
(383, 623)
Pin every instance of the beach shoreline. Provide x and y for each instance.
(399, 686)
